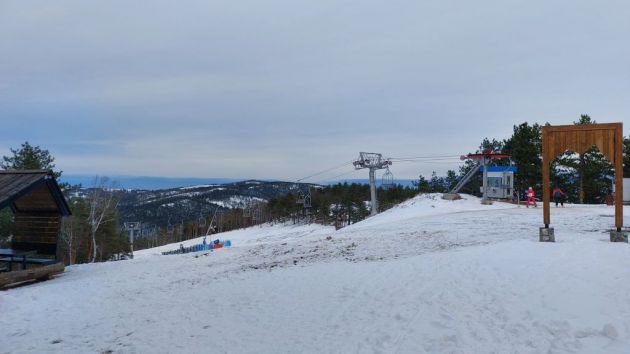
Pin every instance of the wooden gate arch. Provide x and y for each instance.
(608, 138)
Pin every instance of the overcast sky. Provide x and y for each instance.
(286, 88)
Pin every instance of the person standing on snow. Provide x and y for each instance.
(515, 197)
(558, 196)
(531, 197)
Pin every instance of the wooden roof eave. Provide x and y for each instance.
(60, 200)
(24, 191)
(53, 187)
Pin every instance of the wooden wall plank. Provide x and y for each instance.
(37, 229)
(37, 199)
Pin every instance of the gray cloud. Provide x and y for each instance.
(279, 89)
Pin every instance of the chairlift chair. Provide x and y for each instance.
(304, 198)
(301, 198)
(307, 200)
(387, 179)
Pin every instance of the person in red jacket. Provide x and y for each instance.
(531, 197)
(558, 196)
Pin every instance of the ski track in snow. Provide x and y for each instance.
(429, 276)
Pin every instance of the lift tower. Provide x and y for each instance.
(304, 199)
(372, 161)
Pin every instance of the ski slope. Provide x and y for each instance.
(428, 276)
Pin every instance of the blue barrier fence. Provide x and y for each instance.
(200, 247)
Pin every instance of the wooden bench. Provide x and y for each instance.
(10, 255)
(40, 261)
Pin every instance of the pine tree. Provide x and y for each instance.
(29, 157)
(583, 175)
(492, 145)
(526, 149)
(450, 180)
(584, 119)
(436, 184)
(422, 184)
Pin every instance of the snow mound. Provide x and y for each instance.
(261, 234)
(426, 205)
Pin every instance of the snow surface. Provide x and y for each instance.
(236, 201)
(429, 276)
(202, 186)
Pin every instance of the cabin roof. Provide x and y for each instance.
(32, 191)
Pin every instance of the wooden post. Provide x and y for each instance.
(546, 166)
(619, 177)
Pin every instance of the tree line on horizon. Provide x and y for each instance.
(329, 204)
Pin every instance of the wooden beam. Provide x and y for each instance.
(546, 166)
(582, 127)
(619, 177)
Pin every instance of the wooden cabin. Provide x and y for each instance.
(38, 206)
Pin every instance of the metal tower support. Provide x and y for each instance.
(484, 199)
(373, 191)
(462, 182)
(372, 161)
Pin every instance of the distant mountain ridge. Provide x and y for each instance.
(146, 182)
(156, 183)
(165, 207)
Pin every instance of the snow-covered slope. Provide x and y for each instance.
(429, 276)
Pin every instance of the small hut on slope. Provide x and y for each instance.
(38, 206)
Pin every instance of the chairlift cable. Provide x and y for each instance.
(424, 157)
(432, 161)
(428, 160)
(416, 159)
(343, 174)
(325, 171)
